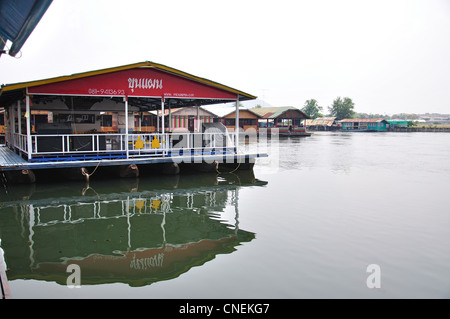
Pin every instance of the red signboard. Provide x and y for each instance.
(139, 82)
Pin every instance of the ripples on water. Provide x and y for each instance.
(367, 198)
(307, 224)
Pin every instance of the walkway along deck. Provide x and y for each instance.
(10, 161)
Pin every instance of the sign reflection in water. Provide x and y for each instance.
(143, 233)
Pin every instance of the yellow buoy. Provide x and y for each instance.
(155, 204)
(139, 144)
(155, 142)
(140, 205)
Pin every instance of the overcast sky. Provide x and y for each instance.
(388, 56)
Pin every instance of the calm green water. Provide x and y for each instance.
(305, 223)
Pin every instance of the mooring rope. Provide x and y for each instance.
(85, 173)
(232, 171)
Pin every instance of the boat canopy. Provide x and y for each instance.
(18, 18)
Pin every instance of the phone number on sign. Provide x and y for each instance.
(106, 92)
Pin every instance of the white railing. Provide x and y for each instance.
(133, 145)
(20, 142)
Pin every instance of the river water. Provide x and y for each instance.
(306, 223)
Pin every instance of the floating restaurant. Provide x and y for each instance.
(364, 125)
(322, 124)
(248, 120)
(94, 119)
(287, 120)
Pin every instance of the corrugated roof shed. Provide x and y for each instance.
(323, 121)
(363, 120)
(276, 112)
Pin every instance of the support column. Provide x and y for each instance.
(162, 115)
(140, 120)
(28, 116)
(12, 117)
(126, 125)
(19, 118)
(198, 119)
(10, 129)
(170, 116)
(157, 121)
(236, 143)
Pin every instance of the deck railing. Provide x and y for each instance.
(127, 145)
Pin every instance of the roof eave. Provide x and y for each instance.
(240, 94)
(234, 111)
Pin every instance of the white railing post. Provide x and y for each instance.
(126, 125)
(35, 144)
(236, 143)
(162, 116)
(19, 117)
(28, 116)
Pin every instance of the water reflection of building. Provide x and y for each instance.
(137, 237)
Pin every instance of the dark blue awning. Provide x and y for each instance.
(18, 18)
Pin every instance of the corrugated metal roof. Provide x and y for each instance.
(275, 112)
(398, 121)
(363, 120)
(268, 115)
(324, 121)
(240, 111)
(147, 64)
(12, 92)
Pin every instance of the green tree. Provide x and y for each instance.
(371, 116)
(342, 108)
(312, 109)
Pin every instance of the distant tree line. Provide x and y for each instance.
(341, 108)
